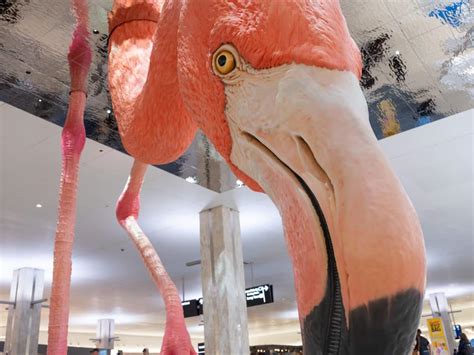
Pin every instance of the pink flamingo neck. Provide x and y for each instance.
(72, 143)
(176, 339)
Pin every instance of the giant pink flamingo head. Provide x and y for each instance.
(274, 85)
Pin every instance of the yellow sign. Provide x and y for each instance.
(439, 342)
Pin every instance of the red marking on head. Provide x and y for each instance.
(266, 34)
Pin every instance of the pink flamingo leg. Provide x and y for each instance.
(176, 340)
(72, 143)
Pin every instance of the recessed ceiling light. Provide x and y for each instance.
(39, 205)
(109, 111)
(191, 179)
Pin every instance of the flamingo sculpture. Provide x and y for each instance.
(274, 85)
(72, 143)
(176, 340)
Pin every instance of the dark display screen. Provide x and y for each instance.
(190, 308)
(255, 296)
(259, 295)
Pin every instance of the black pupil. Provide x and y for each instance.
(222, 60)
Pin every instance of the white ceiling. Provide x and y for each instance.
(434, 162)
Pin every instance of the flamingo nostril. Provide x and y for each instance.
(308, 157)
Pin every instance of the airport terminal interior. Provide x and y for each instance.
(295, 202)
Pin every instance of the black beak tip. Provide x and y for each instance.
(385, 326)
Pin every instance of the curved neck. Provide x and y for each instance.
(144, 85)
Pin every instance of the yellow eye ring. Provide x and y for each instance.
(224, 62)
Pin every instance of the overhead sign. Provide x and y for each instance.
(255, 296)
(201, 349)
(259, 295)
(190, 308)
(439, 342)
(200, 306)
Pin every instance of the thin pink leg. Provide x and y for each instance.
(72, 143)
(176, 340)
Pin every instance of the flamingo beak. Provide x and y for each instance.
(355, 242)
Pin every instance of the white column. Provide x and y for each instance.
(24, 312)
(223, 284)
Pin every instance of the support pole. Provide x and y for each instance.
(440, 308)
(24, 312)
(105, 335)
(223, 284)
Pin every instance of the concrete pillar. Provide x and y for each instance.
(440, 308)
(212, 172)
(24, 312)
(223, 284)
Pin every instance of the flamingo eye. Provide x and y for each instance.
(224, 62)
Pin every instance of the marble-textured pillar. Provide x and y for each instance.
(223, 284)
(24, 313)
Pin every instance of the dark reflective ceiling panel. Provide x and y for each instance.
(418, 60)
